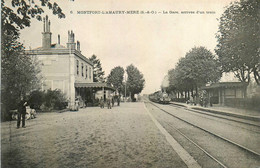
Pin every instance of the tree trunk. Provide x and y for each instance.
(256, 76)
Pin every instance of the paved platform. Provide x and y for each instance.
(230, 111)
(124, 136)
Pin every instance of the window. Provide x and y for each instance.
(86, 71)
(77, 67)
(89, 72)
(82, 69)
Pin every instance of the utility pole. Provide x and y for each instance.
(125, 87)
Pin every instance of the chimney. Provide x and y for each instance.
(49, 27)
(46, 34)
(71, 40)
(78, 45)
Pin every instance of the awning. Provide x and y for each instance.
(97, 85)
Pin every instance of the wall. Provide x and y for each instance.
(87, 77)
(55, 72)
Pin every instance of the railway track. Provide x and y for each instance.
(235, 119)
(245, 149)
(237, 122)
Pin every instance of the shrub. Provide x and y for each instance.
(54, 100)
(36, 99)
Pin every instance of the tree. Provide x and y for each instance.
(116, 77)
(20, 74)
(171, 79)
(98, 73)
(22, 11)
(238, 40)
(135, 80)
(174, 83)
(20, 71)
(198, 67)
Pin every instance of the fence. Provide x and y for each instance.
(247, 103)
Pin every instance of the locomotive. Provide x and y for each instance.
(160, 97)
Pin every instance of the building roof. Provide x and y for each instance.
(58, 49)
(225, 85)
(53, 46)
(94, 85)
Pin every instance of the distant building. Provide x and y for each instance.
(66, 68)
(221, 92)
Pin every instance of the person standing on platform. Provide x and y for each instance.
(113, 101)
(109, 103)
(21, 113)
(101, 102)
(118, 100)
(77, 104)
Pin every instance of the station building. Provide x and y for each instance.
(67, 69)
(234, 94)
(222, 92)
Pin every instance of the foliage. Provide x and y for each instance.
(135, 80)
(116, 77)
(198, 67)
(125, 89)
(172, 81)
(238, 39)
(47, 100)
(36, 99)
(54, 100)
(98, 73)
(19, 15)
(19, 73)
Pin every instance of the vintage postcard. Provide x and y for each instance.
(109, 83)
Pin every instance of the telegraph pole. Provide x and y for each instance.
(125, 87)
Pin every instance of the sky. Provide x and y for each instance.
(152, 42)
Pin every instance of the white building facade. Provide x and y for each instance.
(62, 67)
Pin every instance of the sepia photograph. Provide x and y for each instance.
(130, 84)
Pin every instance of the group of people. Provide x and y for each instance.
(110, 101)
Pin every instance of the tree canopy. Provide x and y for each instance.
(98, 73)
(20, 12)
(19, 74)
(172, 81)
(116, 77)
(19, 71)
(238, 37)
(198, 67)
(135, 80)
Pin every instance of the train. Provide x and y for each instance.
(160, 97)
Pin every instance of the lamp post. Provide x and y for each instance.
(125, 87)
